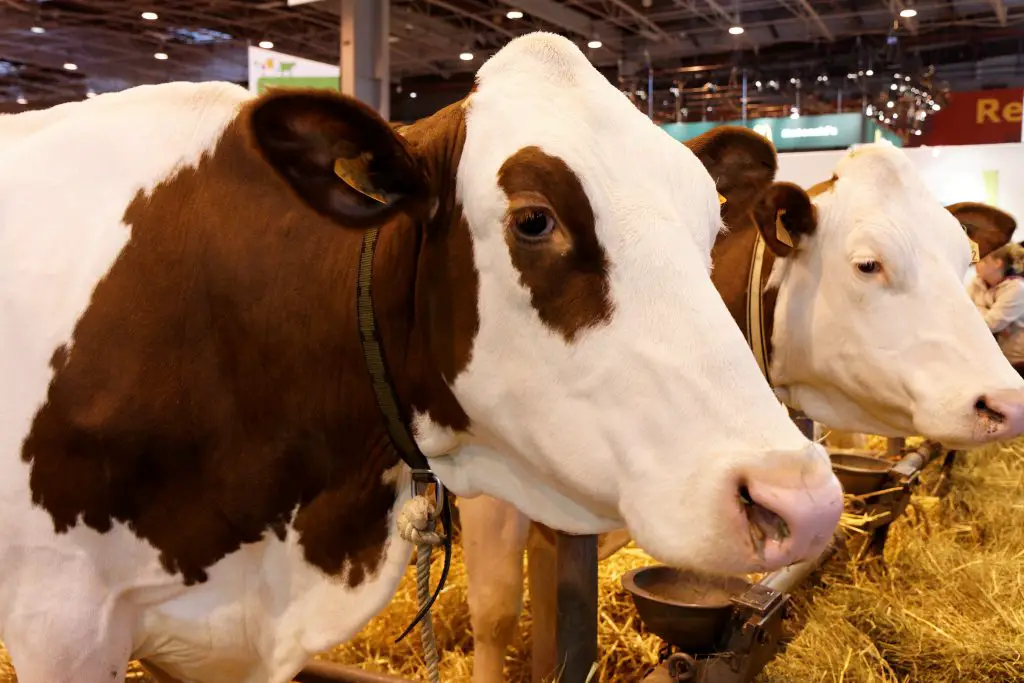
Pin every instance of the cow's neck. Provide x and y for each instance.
(218, 394)
(733, 256)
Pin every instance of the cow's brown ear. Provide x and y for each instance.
(988, 226)
(742, 164)
(785, 215)
(338, 155)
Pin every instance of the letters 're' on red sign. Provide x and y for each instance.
(977, 117)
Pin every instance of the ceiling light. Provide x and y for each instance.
(412, 95)
(936, 107)
(890, 104)
(869, 72)
(160, 55)
(757, 84)
(37, 29)
(267, 44)
(917, 132)
(466, 56)
(908, 13)
(736, 30)
(514, 14)
(70, 66)
(896, 76)
(21, 100)
(893, 86)
(150, 16)
(594, 44)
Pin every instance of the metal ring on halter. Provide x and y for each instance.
(421, 479)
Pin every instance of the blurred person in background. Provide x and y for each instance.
(997, 289)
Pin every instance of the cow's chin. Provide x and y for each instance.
(475, 470)
(833, 409)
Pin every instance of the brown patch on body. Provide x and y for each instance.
(217, 385)
(567, 275)
(990, 227)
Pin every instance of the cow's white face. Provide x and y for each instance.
(874, 331)
(607, 381)
(572, 316)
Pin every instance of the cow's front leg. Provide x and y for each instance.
(494, 539)
(72, 634)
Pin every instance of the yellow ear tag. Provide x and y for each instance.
(354, 175)
(975, 251)
(721, 199)
(781, 233)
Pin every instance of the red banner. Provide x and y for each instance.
(977, 117)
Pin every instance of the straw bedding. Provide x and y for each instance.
(950, 608)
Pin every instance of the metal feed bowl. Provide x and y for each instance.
(682, 608)
(860, 474)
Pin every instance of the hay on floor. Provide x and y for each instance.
(950, 609)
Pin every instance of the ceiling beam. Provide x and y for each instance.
(816, 18)
(569, 19)
(803, 10)
(1000, 10)
(656, 31)
(472, 16)
(897, 6)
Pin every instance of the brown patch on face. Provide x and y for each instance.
(206, 406)
(567, 274)
(990, 227)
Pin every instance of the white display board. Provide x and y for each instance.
(270, 68)
(993, 174)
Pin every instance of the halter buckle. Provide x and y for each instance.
(421, 481)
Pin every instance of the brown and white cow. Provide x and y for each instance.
(193, 467)
(867, 328)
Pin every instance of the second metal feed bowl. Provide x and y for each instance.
(682, 608)
(860, 474)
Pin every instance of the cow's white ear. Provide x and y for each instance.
(338, 155)
(785, 215)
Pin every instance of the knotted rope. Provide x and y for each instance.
(417, 523)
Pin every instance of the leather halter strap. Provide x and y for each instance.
(755, 329)
(397, 426)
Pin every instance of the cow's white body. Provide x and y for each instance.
(261, 615)
(586, 433)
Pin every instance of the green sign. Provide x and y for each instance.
(878, 132)
(319, 82)
(827, 131)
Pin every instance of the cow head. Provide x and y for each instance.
(591, 373)
(990, 227)
(873, 329)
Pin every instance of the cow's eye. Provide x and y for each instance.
(533, 225)
(869, 267)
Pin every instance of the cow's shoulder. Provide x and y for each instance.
(185, 340)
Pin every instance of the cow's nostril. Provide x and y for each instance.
(984, 411)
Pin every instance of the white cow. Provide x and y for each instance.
(871, 331)
(193, 466)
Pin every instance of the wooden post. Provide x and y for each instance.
(576, 612)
